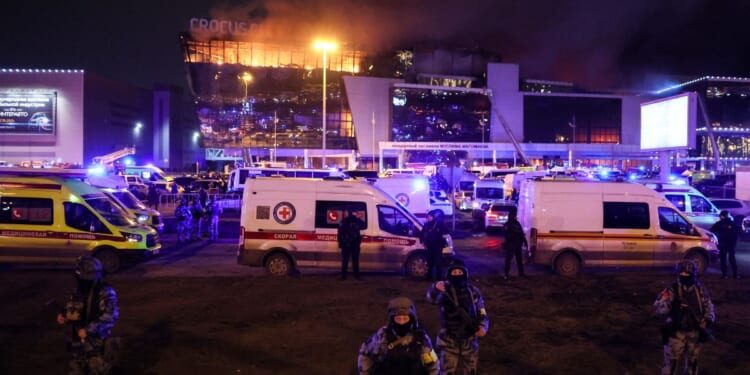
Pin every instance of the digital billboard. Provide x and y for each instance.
(669, 123)
(27, 113)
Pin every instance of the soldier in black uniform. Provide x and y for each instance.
(727, 232)
(350, 239)
(91, 313)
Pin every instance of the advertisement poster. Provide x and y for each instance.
(27, 113)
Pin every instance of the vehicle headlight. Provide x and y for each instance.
(132, 237)
(142, 218)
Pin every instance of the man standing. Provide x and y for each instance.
(432, 237)
(515, 240)
(91, 313)
(401, 347)
(350, 238)
(462, 320)
(214, 214)
(727, 231)
(689, 314)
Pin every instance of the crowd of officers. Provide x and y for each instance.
(196, 216)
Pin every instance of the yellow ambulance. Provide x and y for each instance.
(54, 219)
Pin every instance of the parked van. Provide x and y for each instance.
(413, 191)
(571, 224)
(487, 192)
(690, 201)
(56, 219)
(237, 177)
(292, 222)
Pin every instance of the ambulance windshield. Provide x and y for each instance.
(110, 212)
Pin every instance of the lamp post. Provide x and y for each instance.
(572, 124)
(246, 77)
(325, 46)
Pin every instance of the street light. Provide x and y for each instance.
(246, 77)
(325, 46)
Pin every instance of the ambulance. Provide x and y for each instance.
(55, 219)
(288, 223)
(115, 188)
(572, 224)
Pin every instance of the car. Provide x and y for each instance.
(496, 216)
(739, 209)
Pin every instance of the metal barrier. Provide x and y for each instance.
(229, 201)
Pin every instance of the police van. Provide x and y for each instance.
(288, 223)
(690, 201)
(115, 188)
(571, 224)
(54, 219)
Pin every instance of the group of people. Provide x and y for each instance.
(191, 216)
(403, 346)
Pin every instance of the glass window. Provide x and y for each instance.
(671, 221)
(129, 200)
(727, 204)
(109, 211)
(36, 211)
(678, 200)
(392, 220)
(626, 215)
(700, 204)
(80, 217)
(328, 214)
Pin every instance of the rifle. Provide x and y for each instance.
(705, 333)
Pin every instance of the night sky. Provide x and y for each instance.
(596, 44)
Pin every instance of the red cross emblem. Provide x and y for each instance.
(284, 213)
(403, 199)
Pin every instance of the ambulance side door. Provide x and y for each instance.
(82, 229)
(27, 228)
(328, 216)
(630, 239)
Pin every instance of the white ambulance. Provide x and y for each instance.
(570, 224)
(288, 223)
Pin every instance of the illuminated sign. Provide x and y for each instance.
(27, 112)
(220, 26)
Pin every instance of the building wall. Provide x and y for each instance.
(507, 101)
(368, 96)
(112, 110)
(67, 143)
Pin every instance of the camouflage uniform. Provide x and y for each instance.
(182, 212)
(215, 210)
(462, 316)
(398, 349)
(93, 308)
(689, 311)
(196, 226)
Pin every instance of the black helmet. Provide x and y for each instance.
(688, 266)
(88, 268)
(402, 306)
(457, 266)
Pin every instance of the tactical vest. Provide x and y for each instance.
(404, 355)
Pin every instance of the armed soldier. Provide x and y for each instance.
(91, 313)
(689, 316)
(462, 320)
(184, 219)
(401, 347)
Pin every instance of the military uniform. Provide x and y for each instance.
(196, 226)
(184, 219)
(398, 349)
(91, 313)
(215, 211)
(689, 314)
(462, 318)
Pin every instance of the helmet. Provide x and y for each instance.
(402, 306)
(457, 265)
(687, 266)
(435, 213)
(88, 268)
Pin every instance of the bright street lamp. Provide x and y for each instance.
(246, 77)
(325, 46)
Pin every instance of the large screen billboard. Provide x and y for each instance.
(27, 113)
(669, 123)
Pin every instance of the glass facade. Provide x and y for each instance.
(555, 119)
(264, 95)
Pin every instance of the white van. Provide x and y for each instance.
(292, 222)
(570, 224)
(237, 177)
(690, 201)
(413, 191)
(487, 192)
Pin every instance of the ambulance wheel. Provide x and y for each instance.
(700, 260)
(279, 264)
(568, 265)
(416, 266)
(110, 260)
